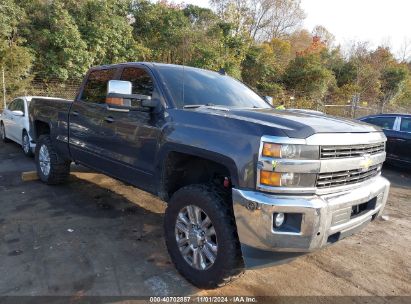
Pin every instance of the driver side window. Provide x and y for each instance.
(141, 81)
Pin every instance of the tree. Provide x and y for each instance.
(264, 66)
(54, 36)
(404, 53)
(286, 17)
(14, 57)
(261, 19)
(307, 77)
(324, 36)
(161, 28)
(107, 31)
(299, 40)
(393, 83)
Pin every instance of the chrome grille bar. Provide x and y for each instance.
(327, 152)
(328, 180)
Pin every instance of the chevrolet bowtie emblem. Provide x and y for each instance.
(366, 162)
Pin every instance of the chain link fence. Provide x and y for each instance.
(38, 86)
(349, 110)
(54, 87)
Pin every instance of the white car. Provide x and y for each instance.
(14, 123)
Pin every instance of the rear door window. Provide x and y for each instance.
(20, 105)
(12, 105)
(95, 89)
(382, 121)
(16, 105)
(405, 124)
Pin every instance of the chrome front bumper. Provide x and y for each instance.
(324, 219)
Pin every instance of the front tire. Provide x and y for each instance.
(51, 168)
(201, 237)
(3, 133)
(25, 144)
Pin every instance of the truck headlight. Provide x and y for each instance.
(292, 180)
(290, 151)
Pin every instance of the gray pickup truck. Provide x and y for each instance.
(242, 180)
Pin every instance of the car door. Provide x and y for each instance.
(14, 119)
(132, 137)
(8, 119)
(86, 137)
(403, 139)
(19, 120)
(387, 124)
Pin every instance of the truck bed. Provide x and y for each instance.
(54, 114)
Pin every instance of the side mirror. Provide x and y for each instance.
(120, 98)
(17, 113)
(268, 99)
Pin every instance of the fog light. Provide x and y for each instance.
(279, 219)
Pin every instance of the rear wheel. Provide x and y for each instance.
(201, 237)
(51, 168)
(3, 133)
(25, 143)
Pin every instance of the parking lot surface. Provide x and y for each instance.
(96, 236)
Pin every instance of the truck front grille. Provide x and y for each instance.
(327, 152)
(348, 177)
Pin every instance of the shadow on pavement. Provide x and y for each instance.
(78, 239)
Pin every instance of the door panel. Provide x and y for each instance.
(19, 121)
(85, 129)
(8, 120)
(131, 142)
(120, 144)
(391, 147)
(13, 121)
(387, 124)
(86, 117)
(132, 137)
(404, 139)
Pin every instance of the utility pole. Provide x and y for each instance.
(4, 90)
(354, 104)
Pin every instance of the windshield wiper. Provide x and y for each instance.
(194, 106)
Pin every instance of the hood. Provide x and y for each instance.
(296, 123)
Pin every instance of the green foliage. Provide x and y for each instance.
(14, 57)
(307, 76)
(264, 66)
(106, 30)
(63, 38)
(393, 78)
(55, 38)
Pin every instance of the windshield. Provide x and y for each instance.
(192, 86)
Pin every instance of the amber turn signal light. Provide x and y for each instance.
(270, 178)
(272, 150)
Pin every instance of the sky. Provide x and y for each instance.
(380, 22)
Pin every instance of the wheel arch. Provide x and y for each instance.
(38, 128)
(180, 167)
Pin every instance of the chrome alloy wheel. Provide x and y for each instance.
(44, 160)
(196, 237)
(26, 143)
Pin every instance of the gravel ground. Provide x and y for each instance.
(97, 236)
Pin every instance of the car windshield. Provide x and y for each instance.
(191, 87)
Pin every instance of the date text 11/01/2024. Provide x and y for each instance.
(203, 299)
